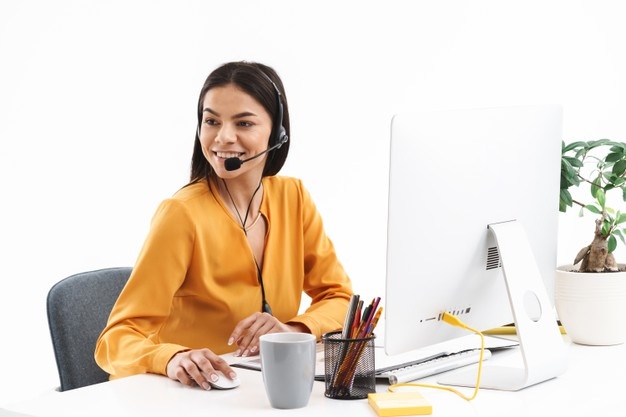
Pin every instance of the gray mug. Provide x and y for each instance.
(288, 368)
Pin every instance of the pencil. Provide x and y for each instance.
(372, 326)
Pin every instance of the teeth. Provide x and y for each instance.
(228, 154)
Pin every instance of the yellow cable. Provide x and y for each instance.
(511, 330)
(454, 321)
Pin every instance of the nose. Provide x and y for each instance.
(226, 134)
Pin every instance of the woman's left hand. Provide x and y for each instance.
(247, 332)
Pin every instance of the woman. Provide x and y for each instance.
(233, 242)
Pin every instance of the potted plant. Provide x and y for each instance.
(590, 294)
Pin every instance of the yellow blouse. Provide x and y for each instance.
(195, 278)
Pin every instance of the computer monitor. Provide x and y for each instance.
(472, 230)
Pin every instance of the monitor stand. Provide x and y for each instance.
(541, 344)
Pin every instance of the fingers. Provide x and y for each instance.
(179, 373)
(241, 328)
(197, 367)
(223, 367)
(247, 332)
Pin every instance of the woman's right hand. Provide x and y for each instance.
(197, 367)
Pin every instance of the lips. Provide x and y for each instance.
(226, 155)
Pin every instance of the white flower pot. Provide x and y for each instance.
(591, 306)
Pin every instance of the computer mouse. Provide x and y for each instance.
(223, 382)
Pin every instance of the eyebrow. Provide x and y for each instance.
(236, 116)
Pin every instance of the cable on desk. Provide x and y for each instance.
(454, 321)
(510, 329)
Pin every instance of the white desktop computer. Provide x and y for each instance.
(472, 230)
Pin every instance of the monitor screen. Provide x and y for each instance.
(452, 174)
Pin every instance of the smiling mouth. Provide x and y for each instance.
(226, 155)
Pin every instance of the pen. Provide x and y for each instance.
(375, 302)
(366, 314)
(347, 324)
(357, 317)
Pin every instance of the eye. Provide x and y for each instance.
(244, 124)
(211, 122)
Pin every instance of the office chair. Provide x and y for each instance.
(78, 309)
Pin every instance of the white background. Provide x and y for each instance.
(97, 116)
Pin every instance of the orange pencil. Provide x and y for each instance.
(370, 330)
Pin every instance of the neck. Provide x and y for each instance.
(241, 192)
(243, 199)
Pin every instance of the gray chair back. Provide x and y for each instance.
(78, 309)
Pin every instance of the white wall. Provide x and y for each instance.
(97, 113)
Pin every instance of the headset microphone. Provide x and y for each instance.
(232, 164)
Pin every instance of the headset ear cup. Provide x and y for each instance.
(282, 136)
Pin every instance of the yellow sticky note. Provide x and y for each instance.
(407, 403)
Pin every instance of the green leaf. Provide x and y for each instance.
(601, 197)
(619, 168)
(618, 147)
(571, 146)
(573, 162)
(613, 157)
(594, 190)
(565, 200)
(599, 142)
(581, 153)
(612, 243)
(593, 209)
(621, 218)
(619, 233)
(566, 197)
(568, 171)
(606, 227)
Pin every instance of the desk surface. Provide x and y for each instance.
(590, 387)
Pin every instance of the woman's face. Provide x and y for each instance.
(234, 124)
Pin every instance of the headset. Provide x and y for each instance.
(278, 138)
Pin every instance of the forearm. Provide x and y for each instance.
(324, 316)
(297, 327)
(122, 352)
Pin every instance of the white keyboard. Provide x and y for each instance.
(433, 366)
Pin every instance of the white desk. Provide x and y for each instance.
(592, 386)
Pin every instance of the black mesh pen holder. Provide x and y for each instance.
(349, 366)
